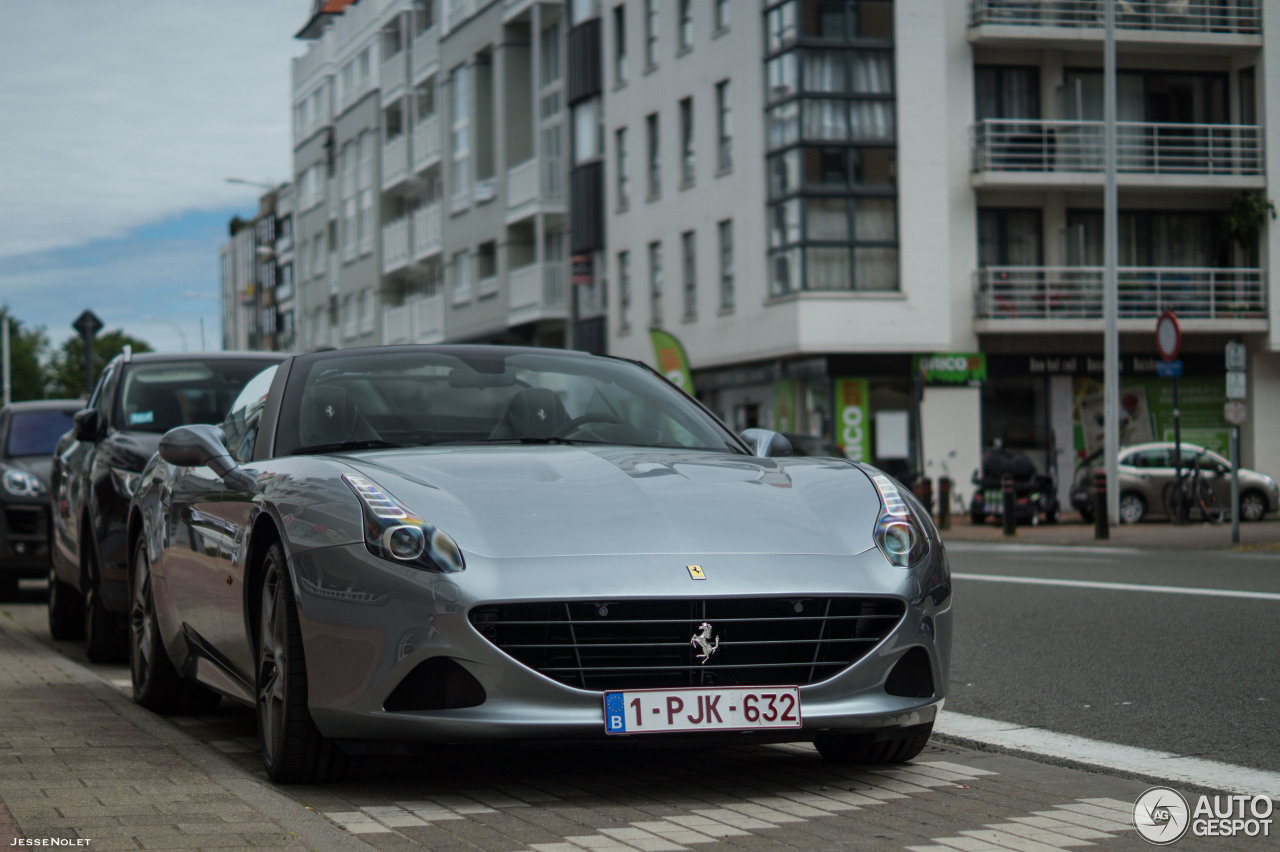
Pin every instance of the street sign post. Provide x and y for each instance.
(1168, 343)
(88, 325)
(1237, 358)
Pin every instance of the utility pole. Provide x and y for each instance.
(1110, 229)
(4, 344)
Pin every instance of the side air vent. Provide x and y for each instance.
(436, 684)
(912, 677)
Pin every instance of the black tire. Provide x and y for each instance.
(66, 610)
(896, 745)
(293, 749)
(1133, 508)
(1207, 500)
(156, 683)
(105, 638)
(1253, 506)
(8, 588)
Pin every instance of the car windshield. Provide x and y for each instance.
(36, 433)
(486, 395)
(156, 396)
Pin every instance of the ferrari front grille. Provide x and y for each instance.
(639, 644)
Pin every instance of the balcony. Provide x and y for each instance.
(426, 232)
(395, 161)
(419, 320)
(395, 76)
(1202, 23)
(1038, 153)
(534, 186)
(395, 325)
(426, 143)
(395, 245)
(426, 53)
(538, 291)
(1024, 299)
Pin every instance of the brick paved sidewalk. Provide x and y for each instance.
(78, 760)
(1263, 536)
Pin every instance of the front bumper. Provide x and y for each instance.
(368, 623)
(24, 537)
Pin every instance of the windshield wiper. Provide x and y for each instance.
(347, 445)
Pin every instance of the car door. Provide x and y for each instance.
(195, 542)
(69, 487)
(1150, 470)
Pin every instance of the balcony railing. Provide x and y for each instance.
(426, 231)
(418, 320)
(1075, 292)
(426, 51)
(395, 244)
(537, 285)
(426, 142)
(487, 286)
(394, 74)
(395, 325)
(522, 183)
(1189, 16)
(1141, 147)
(395, 161)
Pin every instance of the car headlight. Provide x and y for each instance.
(19, 483)
(900, 534)
(394, 533)
(126, 481)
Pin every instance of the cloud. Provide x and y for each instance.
(121, 114)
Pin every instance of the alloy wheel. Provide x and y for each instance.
(272, 663)
(1252, 506)
(142, 623)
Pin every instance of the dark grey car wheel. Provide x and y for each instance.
(104, 635)
(8, 588)
(293, 749)
(1253, 506)
(156, 683)
(66, 610)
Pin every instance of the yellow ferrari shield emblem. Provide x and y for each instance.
(696, 572)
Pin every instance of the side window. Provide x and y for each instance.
(102, 393)
(241, 425)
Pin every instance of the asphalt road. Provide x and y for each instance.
(1190, 674)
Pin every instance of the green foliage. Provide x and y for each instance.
(26, 348)
(1243, 220)
(66, 367)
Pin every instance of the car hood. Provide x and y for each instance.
(503, 502)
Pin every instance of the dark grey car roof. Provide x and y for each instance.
(46, 405)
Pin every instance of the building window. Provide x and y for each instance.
(726, 265)
(655, 285)
(724, 127)
(619, 44)
(721, 14)
(686, 25)
(424, 16)
(688, 247)
(686, 142)
(651, 142)
(624, 291)
(364, 215)
(460, 106)
(551, 55)
(461, 277)
(650, 33)
(624, 174)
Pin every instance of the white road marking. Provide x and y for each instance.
(1001, 547)
(1046, 831)
(1120, 587)
(1194, 771)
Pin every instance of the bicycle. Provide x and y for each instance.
(1197, 492)
(959, 506)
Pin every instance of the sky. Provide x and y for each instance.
(119, 124)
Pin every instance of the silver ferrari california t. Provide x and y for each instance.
(430, 544)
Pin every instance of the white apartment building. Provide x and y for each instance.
(823, 199)
(430, 200)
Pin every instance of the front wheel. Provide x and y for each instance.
(1207, 500)
(66, 610)
(293, 749)
(8, 588)
(1132, 508)
(878, 747)
(1253, 506)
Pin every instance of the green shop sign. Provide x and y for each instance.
(951, 368)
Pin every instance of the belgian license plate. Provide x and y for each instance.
(725, 708)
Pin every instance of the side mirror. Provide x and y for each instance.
(86, 425)
(204, 445)
(766, 444)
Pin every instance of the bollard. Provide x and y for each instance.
(1101, 521)
(1010, 521)
(923, 489)
(944, 503)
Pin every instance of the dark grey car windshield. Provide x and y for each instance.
(452, 396)
(36, 433)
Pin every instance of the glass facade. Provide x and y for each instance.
(831, 137)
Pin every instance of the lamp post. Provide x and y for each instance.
(181, 332)
(270, 186)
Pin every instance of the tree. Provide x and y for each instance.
(26, 348)
(66, 367)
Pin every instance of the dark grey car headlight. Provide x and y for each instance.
(394, 533)
(901, 534)
(19, 483)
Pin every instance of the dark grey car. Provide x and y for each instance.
(458, 543)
